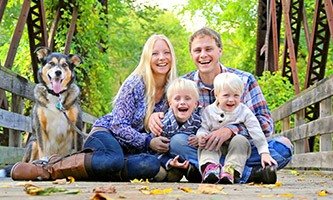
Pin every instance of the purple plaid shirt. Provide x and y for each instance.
(252, 97)
(126, 119)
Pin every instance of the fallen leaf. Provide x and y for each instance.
(186, 189)
(294, 172)
(146, 190)
(210, 189)
(322, 193)
(106, 189)
(278, 184)
(139, 181)
(286, 195)
(100, 196)
(71, 179)
(60, 181)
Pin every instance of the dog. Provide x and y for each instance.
(56, 114)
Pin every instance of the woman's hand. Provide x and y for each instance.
(160, 144)
(155, 123)
(175, 163)
(266, 158)
(215, 140)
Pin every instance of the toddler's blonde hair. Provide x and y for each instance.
(182, 84)
(228, 81)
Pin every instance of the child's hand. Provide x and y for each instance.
(193, 140)
(202, 141)
(175, 163)
(266, 158)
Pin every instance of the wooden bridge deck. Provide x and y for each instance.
(305, 185)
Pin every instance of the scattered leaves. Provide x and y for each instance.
(64, 181)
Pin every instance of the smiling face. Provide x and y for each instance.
(183, 102)
(205, 54)
(161, 58)
(228, 99)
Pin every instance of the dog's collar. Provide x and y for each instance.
(56, 94)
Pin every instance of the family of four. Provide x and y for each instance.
(212, 125)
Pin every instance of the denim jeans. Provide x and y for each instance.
(109, 162)
(278, 150)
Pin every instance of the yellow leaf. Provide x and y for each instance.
(185, 189)
(322, 193)
(161, 191)
(71, 179)
(294, 172)
(286, 195)
(210, 189)
(139, 181)
(278, 184)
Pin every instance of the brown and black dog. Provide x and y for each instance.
(56, 111)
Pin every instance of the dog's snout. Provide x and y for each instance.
(58, 73)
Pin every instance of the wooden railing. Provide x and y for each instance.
(19, 123)
(290, 118)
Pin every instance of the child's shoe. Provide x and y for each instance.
(227, 175)
(211, 173)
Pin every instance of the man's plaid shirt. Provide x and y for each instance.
(252, 97)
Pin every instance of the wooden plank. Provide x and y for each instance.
(325, 143)
(321, 160)
(15, 121)
(16, 84)
(10, 155)
(317, 127)
(316, 93)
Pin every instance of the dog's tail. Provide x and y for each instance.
(5, 172)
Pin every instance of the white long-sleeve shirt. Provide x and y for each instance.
(214, 118)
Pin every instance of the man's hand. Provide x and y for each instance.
(160, 144)
(175, 163)
(155, 123)
(216, 138)
(193, 140)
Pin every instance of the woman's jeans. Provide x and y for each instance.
(109, 163)
(278, 150)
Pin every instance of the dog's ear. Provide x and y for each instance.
(42, 52)
(75, 59)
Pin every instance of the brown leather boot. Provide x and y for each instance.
(29, 171)
(75, 165)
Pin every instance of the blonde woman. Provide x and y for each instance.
(119, 141)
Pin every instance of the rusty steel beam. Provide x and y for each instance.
(37, 32)
(261, 32)
(318, 46)
(329, 14)
(3, 4)
(17, 34)
(290, 53)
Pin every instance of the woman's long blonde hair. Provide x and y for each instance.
(144, 70)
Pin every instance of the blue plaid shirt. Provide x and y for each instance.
(252, 97)
(126, 119)
(172, 127)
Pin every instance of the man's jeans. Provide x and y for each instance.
(279, 151)
(109, 162)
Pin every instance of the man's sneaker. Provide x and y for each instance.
(265, 175)
(193, 175)
(227, 175)
(211, 173)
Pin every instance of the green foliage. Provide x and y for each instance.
(276, 89)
